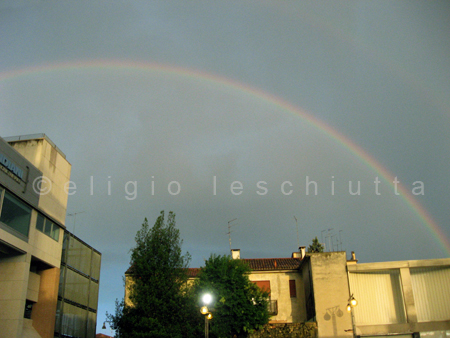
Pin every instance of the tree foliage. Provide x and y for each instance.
(315, 246)
(239, 306)
(161, 304)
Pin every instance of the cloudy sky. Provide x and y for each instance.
(219, 111)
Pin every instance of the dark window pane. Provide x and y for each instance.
(55, 232)
(15, 214)
(292, 288)
(48, 227)
(40, 222)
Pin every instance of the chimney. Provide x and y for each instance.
(300, 254)
(236, 253)
(353, 256)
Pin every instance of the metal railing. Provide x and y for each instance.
(273, 307)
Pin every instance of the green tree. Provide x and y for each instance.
(162, 306)
(239, 306)
(315, 246)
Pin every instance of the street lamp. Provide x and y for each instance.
(352, 302)
(109, 324)
(206, 299)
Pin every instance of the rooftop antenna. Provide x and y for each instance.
(74, 219)
(340, 240)
(229, 230)
(298, 240)
(321, 237)
(329, 237)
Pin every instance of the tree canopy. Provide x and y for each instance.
(315, 246)
(239, 306)
(160, 305)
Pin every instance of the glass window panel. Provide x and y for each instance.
(61, 281)
(73, 321)
(1, 196)
(92, 318)
(76, 287)
(66, 246)
(58, 316)
(79, 256)
(55, 232)
(93, 295)
(40, 222)
(96, 261)
(48, 227)
(15, 214)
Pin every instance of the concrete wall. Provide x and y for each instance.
(331, 293)
(290, 310)
(54, 167)
(14, 275)
(43, 314)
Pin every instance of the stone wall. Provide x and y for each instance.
(291, 330)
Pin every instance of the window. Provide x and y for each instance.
(264, 285)
(28, 309)
(46, 226)
(15, 214)
(292, 289)
(40, 222)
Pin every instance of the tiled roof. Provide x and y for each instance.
(193, 272)
(269, 264)
(257, 264)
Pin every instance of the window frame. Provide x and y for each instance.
(292, 288)
(12, 198)
(49, 228)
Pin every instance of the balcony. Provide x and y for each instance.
(273, 307)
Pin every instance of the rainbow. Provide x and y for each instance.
(230, 85)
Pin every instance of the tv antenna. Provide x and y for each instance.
(298, 240)
(229, 230)
(75, 219)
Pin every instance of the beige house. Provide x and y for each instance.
(282, 278)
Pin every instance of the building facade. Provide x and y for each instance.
(411, 298)
(33, 204)
(402, 299)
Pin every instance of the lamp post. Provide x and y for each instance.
(206, 299)
(352, 302)
(109, 324)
